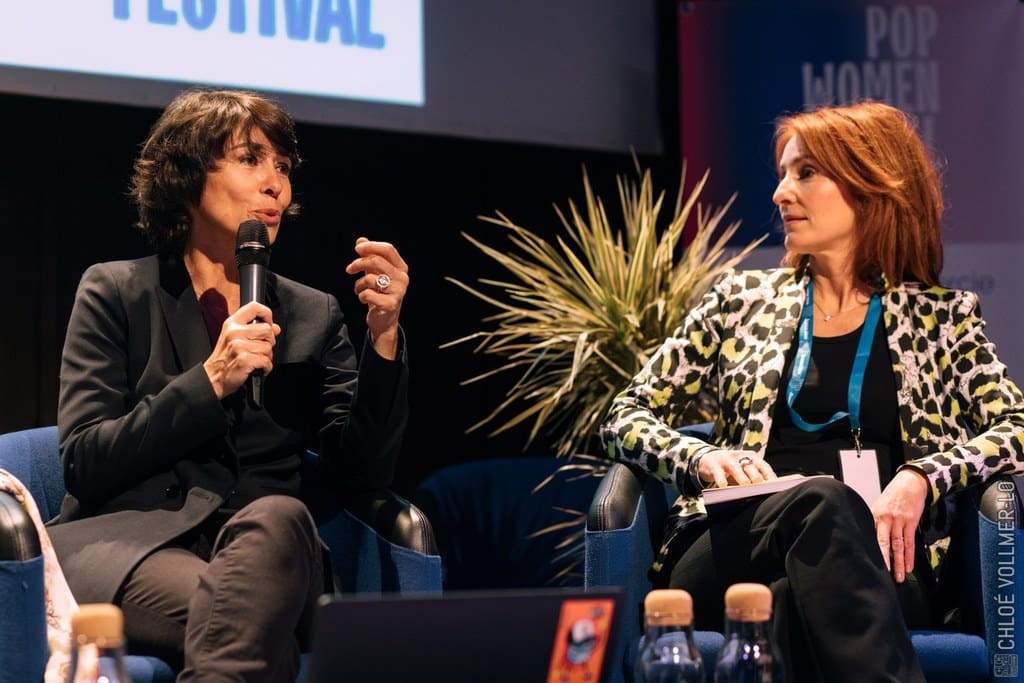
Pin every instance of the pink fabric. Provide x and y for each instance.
(60, 604)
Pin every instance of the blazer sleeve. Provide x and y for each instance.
(111, 438)
(365, 409)
(639, 429)
(992, 403)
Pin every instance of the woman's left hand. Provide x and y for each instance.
(897, 512)
(382, 288)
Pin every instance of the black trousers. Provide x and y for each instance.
(837, 614)
(235, 600)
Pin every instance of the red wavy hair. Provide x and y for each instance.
(873, 151)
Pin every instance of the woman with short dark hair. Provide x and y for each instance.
(184, 498)
(185, 143)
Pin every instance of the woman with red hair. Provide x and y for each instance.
(851, 355)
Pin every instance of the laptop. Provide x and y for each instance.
(520, 636)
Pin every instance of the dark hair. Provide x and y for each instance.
(873, 151)
(184, 143)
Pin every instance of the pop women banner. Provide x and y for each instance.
(957, 66)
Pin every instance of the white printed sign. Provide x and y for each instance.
(358, 49)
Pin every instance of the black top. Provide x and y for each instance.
(790, 449)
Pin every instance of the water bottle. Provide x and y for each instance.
(97, 645)
(667, 653)
(749, 654)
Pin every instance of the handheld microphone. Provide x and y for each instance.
(252, 254)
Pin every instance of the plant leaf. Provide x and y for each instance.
(578, 315)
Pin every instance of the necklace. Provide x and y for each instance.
(827, 317)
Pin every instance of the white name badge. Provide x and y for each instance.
(860, 473)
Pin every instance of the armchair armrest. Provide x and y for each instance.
(618, 543)
(1000, 529)
(18, 537)
(23, 646)
(1001, 501)
(381, 543)
(614, 505)
(619, 546)
(384, 512)
(394, 518)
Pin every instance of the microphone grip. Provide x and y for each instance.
(252, 279)
(254, 389)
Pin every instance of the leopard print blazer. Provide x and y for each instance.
(961, 417)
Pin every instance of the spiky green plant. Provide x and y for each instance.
(579, 317)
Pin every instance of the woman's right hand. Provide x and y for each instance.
(246, 344)
(723, 467)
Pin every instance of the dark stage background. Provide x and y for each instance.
(64, 206)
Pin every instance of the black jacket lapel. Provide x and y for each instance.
(182, 315)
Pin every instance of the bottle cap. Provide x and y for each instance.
(668, 607)
(748, 602)
(102, 624)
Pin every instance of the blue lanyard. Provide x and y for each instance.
(860, 364)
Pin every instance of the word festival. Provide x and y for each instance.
(301, 22)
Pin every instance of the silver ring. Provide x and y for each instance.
(383, 282)
(744, 460)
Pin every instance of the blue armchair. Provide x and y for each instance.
(496, 530)
(624, 528)
(388, 546)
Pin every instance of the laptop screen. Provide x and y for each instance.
(552, 635)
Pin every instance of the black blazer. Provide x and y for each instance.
(149, 452)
